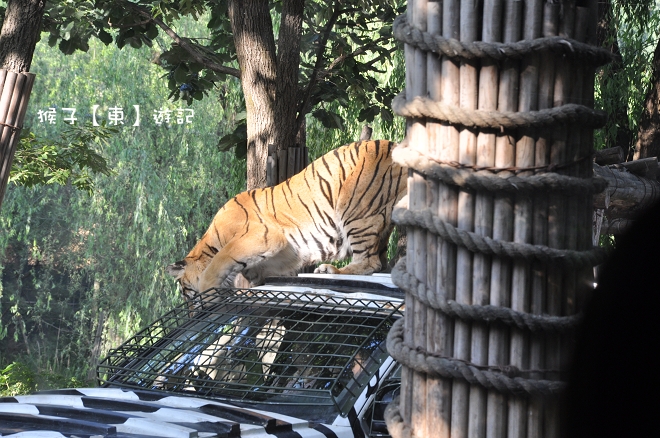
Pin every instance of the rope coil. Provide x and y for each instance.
(420, 106)
(472, 312)
(424, 362)
(566, 258)
(490, 181)
(394, 421)
(453, 48)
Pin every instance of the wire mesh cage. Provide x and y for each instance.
(297, 348)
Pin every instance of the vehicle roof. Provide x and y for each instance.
(89, 412)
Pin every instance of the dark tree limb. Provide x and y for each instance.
(183, 43)
(313, 80)
(626, 193)
(288, 66)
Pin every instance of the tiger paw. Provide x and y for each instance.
(326, 269)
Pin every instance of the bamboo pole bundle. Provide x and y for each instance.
(498, 348)
(416, 316)
(468, 95)
(447, 262)
(282, 160)
(283, 164)
(488, 91)
(480, 225)
(271, 166)
(519, 413)
(16, 89)
(291, 162)
(459, 82)
(438, 391)
(538, 299)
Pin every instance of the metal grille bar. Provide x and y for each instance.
(259, 346)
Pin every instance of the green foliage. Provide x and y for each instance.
(623, 86)
(345, 47)
(71, 159)
(73, 262)
(15, 379)
(321, 140)
(18, 378)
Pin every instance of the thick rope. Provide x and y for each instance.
(453, 48)
(424, 107)
(424, 362)
(486, 180)
(394, 421)
(566, 258)
(486, 313)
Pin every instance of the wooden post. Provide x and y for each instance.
(283, 164)
(438, 399)
(523, 418)
(291, 162)
(15, 89)
(453, 167)
(365, 134)
(417, 314)
(271, 166)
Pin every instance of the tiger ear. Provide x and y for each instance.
(176, 269)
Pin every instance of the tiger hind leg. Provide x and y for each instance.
(369, 255)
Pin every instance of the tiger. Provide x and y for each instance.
(340, 205)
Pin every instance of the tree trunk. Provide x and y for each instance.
(20, 32)
(288, 63)
(255, 49)
(648, 136)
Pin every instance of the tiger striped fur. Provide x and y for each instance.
(338, 206)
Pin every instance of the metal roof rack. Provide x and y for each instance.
(260, 346)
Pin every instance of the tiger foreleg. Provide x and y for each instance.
(236, 257)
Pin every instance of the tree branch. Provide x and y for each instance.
(342, 58)
(313, 79)
(185, 45)
(124, 26)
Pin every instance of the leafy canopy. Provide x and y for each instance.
(72, 158)
(344, 46)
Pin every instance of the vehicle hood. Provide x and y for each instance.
(101, 412)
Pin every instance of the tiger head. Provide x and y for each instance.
(187, 276)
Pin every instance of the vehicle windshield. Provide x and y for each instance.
(260, 347)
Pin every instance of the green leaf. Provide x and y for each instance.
(329, 119)
(234, 139)
(152, 31)
(181, 74)
(104, 36)
(241, 150)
